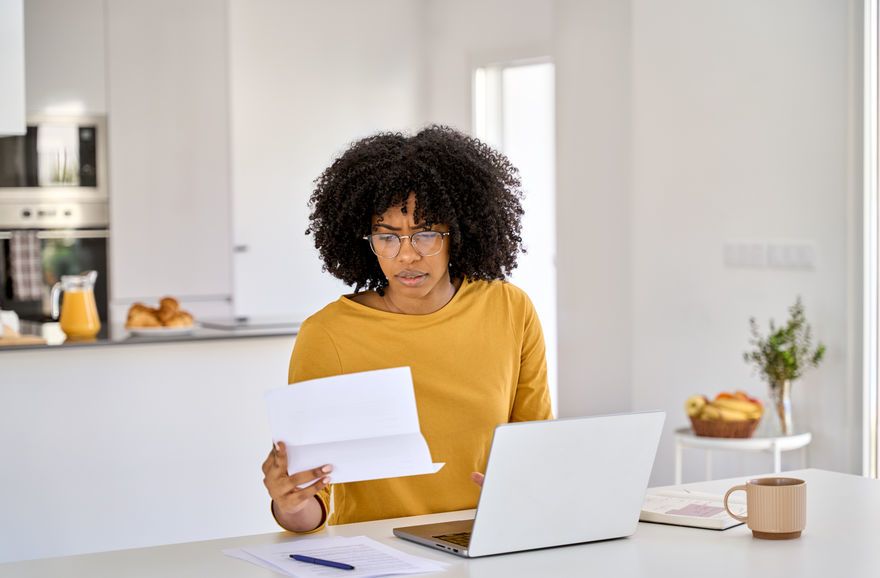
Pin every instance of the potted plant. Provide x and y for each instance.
(782, 357)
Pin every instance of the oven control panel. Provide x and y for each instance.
(57, 215)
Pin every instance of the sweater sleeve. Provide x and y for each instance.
(532, 399)
(314, 355)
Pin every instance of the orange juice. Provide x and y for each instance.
(79, 314)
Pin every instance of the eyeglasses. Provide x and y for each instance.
(425, 243)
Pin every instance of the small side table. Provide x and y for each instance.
(685, 438)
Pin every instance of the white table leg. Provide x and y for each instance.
(805, 458)
(708, 465)
(777, 458)
(677, 462)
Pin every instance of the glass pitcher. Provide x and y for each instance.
(78, 312)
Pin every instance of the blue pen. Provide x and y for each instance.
(321, 562)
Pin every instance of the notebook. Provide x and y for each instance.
(689, 508)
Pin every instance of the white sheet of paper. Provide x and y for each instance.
(369, 557)
(365, 424)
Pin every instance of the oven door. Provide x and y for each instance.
(62, 252)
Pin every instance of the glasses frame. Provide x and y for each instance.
(412, 242)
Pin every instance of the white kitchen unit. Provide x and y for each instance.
(168, 120)
(131, 444)
(12, 107)
(64, 57)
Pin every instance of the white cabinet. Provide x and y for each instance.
(12, 67)
(167, 109)
(64, 57)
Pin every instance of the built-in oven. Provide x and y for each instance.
(54, 212)
(33, 258)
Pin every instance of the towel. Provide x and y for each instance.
(5, 275)
(25, 263)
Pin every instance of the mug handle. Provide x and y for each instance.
(726, 507)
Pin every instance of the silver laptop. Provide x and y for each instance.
(556, 482)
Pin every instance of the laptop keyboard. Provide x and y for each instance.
(459, 538)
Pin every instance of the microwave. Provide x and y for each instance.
(58, 156)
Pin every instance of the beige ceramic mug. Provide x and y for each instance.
(776, 508)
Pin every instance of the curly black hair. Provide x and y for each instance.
(457, 180)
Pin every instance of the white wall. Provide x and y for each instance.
(745, 125)
(64, 56)
(307, 78)
(594, 207)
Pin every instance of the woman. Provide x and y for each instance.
(425, 228)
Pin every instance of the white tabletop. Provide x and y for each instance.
(842, 538)
(687, 437)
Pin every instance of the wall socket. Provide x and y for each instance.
(799, 255)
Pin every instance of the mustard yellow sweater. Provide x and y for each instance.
(476, 363)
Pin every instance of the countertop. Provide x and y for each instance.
(115, 335)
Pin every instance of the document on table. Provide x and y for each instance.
(689, 508)
(369, 558)
(365, 424)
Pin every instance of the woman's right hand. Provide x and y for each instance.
(290, 501)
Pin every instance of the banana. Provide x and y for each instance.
(713, 411)
(694, 405)
(710, 412)
(728, 414)
(753, 410)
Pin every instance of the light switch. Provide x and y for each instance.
(744, 254)
(770, 255)
(798, 255)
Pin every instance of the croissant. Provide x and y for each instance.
(169, 314)
(168, 308)
(142, 317)
(141, 308)
(179, 319)
(169, 303)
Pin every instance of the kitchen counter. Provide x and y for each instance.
(140, 430)
(119, 335)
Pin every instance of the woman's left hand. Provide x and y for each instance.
(478, 478)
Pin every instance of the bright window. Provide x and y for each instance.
(514, 112)
(871, 335)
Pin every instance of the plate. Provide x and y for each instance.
(160, 331)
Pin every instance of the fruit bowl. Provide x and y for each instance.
(724, 429)
(729, 415)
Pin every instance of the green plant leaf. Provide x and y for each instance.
(787, 350)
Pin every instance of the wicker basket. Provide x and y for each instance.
(724, 429)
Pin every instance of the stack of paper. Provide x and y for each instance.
(369, 558)
(365, 424)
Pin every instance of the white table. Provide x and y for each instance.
(686, 438)
(841, 539)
